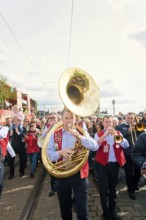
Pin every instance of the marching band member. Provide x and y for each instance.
(109, 157)
(66, 138)
(132, 171)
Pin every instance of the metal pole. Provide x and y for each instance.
(113, 102)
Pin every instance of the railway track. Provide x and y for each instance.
(31, 203)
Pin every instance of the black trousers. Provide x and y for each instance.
(108, 177)
(79, 187)
(132, 174)
(53, 181)
(21, 151)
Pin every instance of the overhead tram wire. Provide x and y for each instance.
(21, 47)
(70, 33)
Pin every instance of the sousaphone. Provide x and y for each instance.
(80, 95)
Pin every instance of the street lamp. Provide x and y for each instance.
(113, 103)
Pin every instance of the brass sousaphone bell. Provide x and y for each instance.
(80, 95)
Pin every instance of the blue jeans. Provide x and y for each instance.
(33, 161)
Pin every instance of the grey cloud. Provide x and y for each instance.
(109, 92)
(109, 89)
(139, 37)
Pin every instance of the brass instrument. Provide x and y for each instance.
(117, 137)
(133, 136)
(79, 92)
(138, 127)
(80, 95)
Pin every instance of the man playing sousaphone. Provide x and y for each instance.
(61, 148)
(109, 157)
(66, 147)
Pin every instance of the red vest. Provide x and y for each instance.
(3, 145)
(102, 157)
(58, 146)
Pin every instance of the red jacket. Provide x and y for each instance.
(102, 157)
(31, 142)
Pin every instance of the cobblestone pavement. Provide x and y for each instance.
(48, 208)
(16, 192)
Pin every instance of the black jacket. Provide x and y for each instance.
(138, 153)
(123, 128)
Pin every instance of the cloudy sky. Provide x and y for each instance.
(107, 39)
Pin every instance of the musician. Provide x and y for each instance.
(59, 148)
(52, 120)
(132, 171)
(109, 157)
(138, 153)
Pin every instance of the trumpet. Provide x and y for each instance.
(136, 127)
(117, 137)
(140, 127)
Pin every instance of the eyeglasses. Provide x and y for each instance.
(52, 117)
(26, 121)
